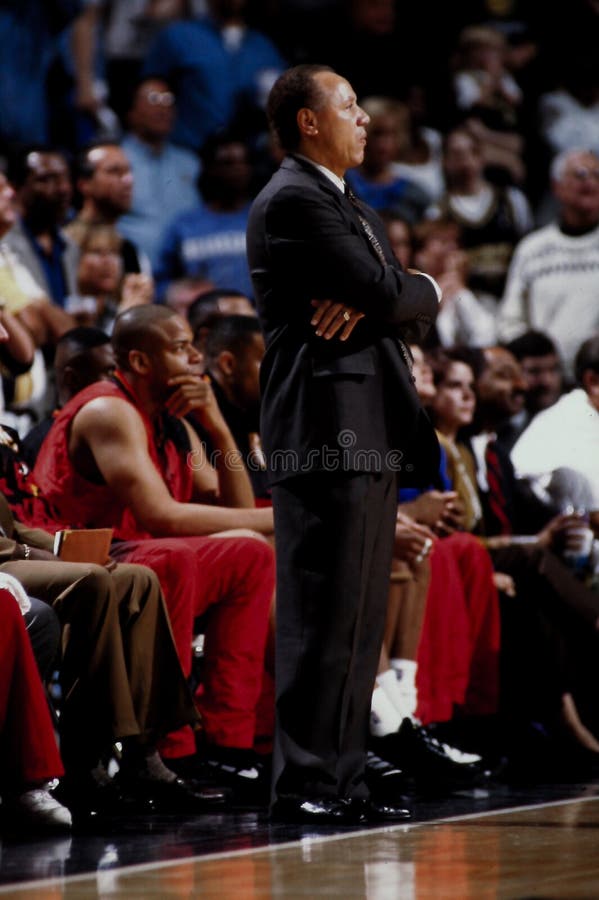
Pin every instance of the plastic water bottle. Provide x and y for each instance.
(579, 542)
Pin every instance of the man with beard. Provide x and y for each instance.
(43, 187)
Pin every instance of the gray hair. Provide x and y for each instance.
(559, 162)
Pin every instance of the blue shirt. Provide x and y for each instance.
(209, 78)
(206, 244)
(28, 37)
(400, 195)
(51, 264)
(407, 494)
(164, 185)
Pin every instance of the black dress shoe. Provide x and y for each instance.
(378, 811)
(88, 798)
(431, 763)
(177, 796)
(318, 811)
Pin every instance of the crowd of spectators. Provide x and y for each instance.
(133, 139)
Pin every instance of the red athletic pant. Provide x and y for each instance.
(458, 655)
(231, 580)
(29, 751)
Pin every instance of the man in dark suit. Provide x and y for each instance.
(340, 419)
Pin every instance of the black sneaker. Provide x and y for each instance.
(430, 762)
(386, 783)
(244, 772)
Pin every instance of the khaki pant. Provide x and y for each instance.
(120, 675)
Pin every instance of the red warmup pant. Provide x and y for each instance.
(458, 655)
(28, 747)
(231, 580)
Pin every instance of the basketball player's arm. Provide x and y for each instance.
(223, 479)
(116, 437)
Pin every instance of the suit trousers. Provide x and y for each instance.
(120, 675)
(334, 536)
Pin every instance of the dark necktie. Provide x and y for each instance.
(500, 521)
(366, 226)
(376, 246)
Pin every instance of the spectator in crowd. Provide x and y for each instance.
(569, 115)
(565, 434)
(452, 408)
(552, 283)
(213, 305)
(30, 757)
(83, 356)
(507, 506)
(105, 182)
(543, 378)
(221, 71)
(42, 182)
(450, 636)
(233, 352)
(164, 175)
(22, 295)
(492, 218)
(102, 289)
(488, 98)
(29, 33)
(400, 237)
(375, 181)
(420, 156)
(124, 29)
(18, 389)
(548, 617)
(24, 379)
(206, 246)
(462, 318)
(164, 502)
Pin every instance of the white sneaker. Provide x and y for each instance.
(38, 808)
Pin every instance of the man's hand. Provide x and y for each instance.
(193, 393)
(137, 290)
(562, 531)
(33, 554)
(330, 318)
(441, 510)
(413, 542)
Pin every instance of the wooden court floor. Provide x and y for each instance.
(548, 850)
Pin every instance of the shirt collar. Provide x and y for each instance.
(338, 182)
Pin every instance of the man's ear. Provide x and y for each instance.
(226, 363)
(69, 377)
(307, 122)
(139, 362)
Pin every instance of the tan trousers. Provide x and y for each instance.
(120, 675)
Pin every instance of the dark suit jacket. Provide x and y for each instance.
(329, 404)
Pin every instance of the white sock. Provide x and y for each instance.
(384, 718)
(405, 676)
(392, 688)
